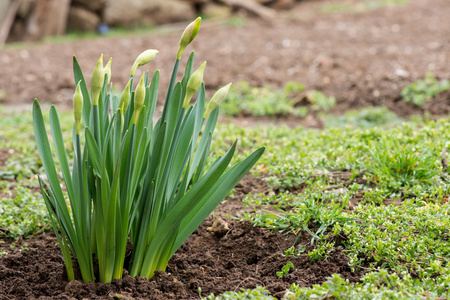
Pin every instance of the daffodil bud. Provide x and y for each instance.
(97, 80)
(193, 84)
(143, 58)
(139, 97)
(188, 36)
(107, 70)
(77, 107)
(122, 115)
(218, 97)
(125, 98)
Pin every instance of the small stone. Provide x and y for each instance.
(219, 228)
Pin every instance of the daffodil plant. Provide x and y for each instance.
(132, 179)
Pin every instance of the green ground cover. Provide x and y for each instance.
(341, 178)
(423, 90)
(293, 99)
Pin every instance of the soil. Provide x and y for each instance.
(362, 59)
(216, 262)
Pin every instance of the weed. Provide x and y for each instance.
(291, 251)
(401, 166)
(256, 101)
(321, 252)
(368, 117)
(422, 91)
(323, 208)
(319, 101)
(375, 285)
(285, 269)
(18, 166)
(23, 214)
(259, 293)
(409, 237)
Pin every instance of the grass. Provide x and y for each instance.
(359, 6)
(115, 32)
(335, 181)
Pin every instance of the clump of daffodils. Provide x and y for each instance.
(133, 179)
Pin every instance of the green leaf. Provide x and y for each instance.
(94, 152)
(47, 161)
(60, 150)
(181, 209)
(215, 195)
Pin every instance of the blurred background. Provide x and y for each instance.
(31, 20)
(292, 59)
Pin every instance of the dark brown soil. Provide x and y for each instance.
(241, 257)
(4, 155)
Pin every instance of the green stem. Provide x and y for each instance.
(97, 127)
(173, 79)
(85, 211)
(124, 201)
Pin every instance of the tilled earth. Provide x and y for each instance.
(244, 257)
(363, 59)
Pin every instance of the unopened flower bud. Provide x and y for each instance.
(143, 58)
(193, 84)
(107, 70)
(218, 97)
(139, 97)
(77, 107)
(188, 36)
(125, 98)
(97, 80)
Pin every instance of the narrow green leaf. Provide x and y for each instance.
(204, 145)
(182, 208)
(60, 150)
(94, 152)
(216, 195)
(188, 70)
(47, 161)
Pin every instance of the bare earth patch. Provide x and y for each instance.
(362, 59)
(244, 257)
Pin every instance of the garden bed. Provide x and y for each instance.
(244, 257)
